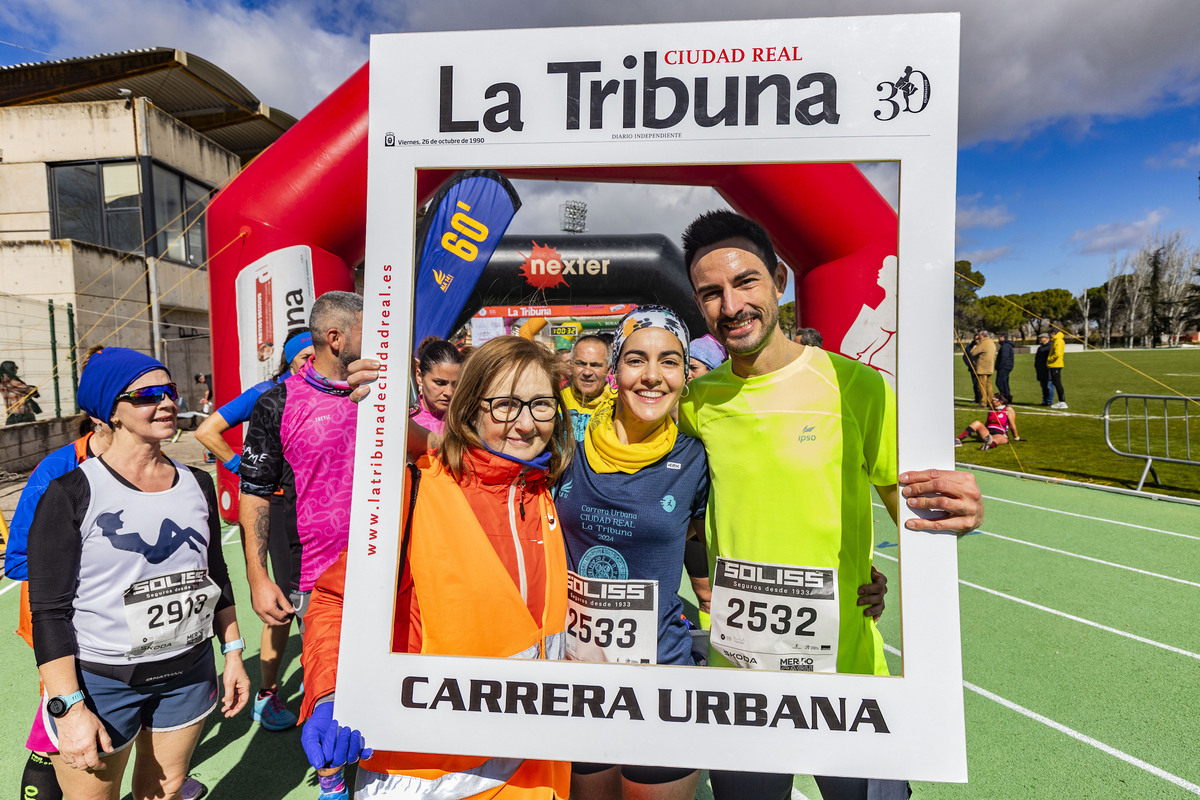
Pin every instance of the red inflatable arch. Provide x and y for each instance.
(827, 221)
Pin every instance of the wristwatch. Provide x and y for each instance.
(229, 647)
(59, 706)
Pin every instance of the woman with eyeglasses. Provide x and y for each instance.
(127, 584)
(484, 572)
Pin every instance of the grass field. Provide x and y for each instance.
(1070, 444)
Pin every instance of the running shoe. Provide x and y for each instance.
(1060, 404)
(957, 442)
(339, 791)
(270, 712)
(192, 789)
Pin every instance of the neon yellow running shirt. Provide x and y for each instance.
(792, 456)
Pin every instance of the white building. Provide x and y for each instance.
(106, 165)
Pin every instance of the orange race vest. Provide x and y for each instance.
(470, 607)
(24, 615)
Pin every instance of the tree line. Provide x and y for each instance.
(1151, 298)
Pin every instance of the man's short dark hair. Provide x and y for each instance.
(809, 337)
(717, 226)
(331, 310)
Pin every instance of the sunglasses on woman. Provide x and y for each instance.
(150, 395)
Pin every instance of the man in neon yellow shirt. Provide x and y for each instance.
(816, 431)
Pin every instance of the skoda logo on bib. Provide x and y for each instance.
(603, 562)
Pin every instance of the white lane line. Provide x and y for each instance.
(1089, 558)
(798, 795)
(231, 536)
(1086, 558)
(1071, 617)
(1074, 734)
(10, 587)
(1095, 519)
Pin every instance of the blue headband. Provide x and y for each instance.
(108, 373)
(295, 344)
(708, 351)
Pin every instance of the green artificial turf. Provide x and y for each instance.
(1070, 444)
(1127, 694)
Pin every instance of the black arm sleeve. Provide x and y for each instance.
(262, 449)
(217, 569)
(55, 545)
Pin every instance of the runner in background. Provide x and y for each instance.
(438, 365)
(484, 536)
(588, 385)
(564, 356)
(995, 431)
(17, 396)
(306, 425)
(127, 582)
(706, 355)
(284, 545)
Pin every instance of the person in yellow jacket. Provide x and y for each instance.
(1054, 365)
(484, 574)
(588, 386)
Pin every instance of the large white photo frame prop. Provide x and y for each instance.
(909, 726)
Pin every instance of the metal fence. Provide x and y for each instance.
(1152, 428)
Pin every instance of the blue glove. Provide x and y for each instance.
(326, 744)
(233, 464)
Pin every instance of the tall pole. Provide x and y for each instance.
(74, 355)
(54, 362)
(155, 310)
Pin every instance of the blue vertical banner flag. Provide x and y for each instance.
(459, 233)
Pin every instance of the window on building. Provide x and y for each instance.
(122, 206)
(103, 203)
(77, 203)
(178, 204)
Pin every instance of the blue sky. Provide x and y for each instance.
(1080, 121)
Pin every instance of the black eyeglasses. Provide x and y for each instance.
(151, 395)
(507, 409)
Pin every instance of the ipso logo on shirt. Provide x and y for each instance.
(807, 434)
(668, 503)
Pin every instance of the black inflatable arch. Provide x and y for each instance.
(579, 269)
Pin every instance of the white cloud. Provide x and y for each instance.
(977, 257)
(613, 207)
(276, 52)
(885, 177)
(1026, 64)
(1180, 155)
(1114, 236)
(970, 214)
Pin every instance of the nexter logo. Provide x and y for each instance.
(443, 279)
(807, 434)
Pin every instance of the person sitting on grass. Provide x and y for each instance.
(994, 432)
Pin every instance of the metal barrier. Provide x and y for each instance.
(1150, 443)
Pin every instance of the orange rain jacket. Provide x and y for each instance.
(459, 595)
